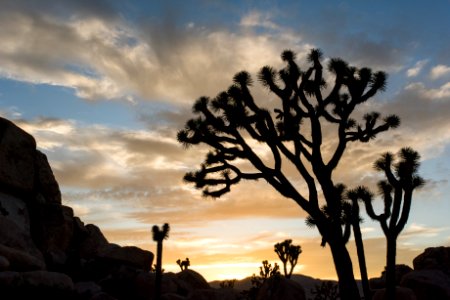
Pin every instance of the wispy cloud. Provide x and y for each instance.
(439, 71)
(414, 71)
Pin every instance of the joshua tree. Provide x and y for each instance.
(184, 264)
(266, 271)
(231, 122)
(396, 190)
(363, 194)
(158, 236)
(288, 253)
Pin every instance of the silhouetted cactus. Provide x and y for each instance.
(184, 264)
(396, 190)
(288, 253)
(231, 122)
(158, 236)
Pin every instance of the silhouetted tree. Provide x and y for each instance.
(396, 190)
(158, 236)
(288, 253)
(184, 264)
(363, 194)
(266, 271)
(230, 123)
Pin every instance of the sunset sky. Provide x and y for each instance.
(104, 86)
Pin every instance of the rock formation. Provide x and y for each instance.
(44, 249)
(48, 253)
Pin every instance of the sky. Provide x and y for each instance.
(104, 86)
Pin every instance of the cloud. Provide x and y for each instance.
(414, 71)
(106, 58)
(258, 19)
(439, 71)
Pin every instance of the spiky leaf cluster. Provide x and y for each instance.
(396, 190)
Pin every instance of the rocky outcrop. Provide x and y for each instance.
(17, 159)
(428, 284)
(401, 293)
(45, 251)
(280, 288)
(434, 258)
(380, 282)
(431, 276)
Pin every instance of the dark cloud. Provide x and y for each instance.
(62, 8)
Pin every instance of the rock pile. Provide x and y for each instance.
(48, 253)
(44, 249)
(430, 278)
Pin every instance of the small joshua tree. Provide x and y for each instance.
(266, 271)
(158, 236)
(396, 190)
(288, 253)
(184, 264)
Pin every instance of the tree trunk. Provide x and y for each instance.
(158, 276)
(390, 267)
(362, 261)
(348, 288)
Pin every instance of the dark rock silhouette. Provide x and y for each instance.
(281, 288)
(45, 251)
(431, 276)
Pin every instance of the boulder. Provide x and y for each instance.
(20, 260)
(400, 271)
(144, 284)
(129, 255)
(192, 280)
(4, 264)
(17, 159)
(428, 284)
(87, 289)
(15, 210)
(172, 297)
(102, 296)
(401, 293)
(281, 288)
(214, 294)
(434, 258)
(16, 236)
(53, 280)
(53, 231)
(92, 243)
(45, 180)
(35, 285)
